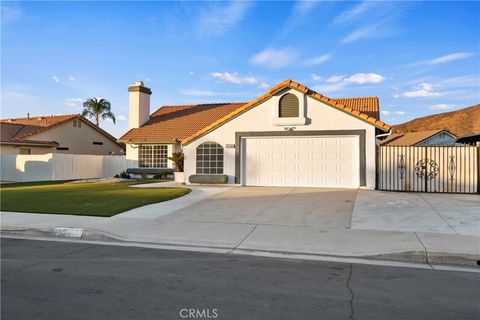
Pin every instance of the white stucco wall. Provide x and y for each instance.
(10, 149)
(320, 117)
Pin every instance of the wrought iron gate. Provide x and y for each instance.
(428, 169)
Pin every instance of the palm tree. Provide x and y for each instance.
(94, 108)
(177, 158)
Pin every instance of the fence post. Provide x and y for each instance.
(478, 167)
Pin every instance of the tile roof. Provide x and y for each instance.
(185, 123)
(367, 105)
(174, 123)
(409, 138)
(18, 129)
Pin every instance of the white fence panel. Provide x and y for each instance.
(59, 166)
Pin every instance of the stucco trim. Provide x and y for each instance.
(360, 133)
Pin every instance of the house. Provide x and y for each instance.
(420, 139)
(290, 136)
(72, 134)
(470, 139)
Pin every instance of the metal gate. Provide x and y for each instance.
(428, 169)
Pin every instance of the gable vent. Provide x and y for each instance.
(288, 106)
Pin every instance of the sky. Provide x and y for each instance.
(419, 58)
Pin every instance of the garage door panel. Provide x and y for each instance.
(302, 161)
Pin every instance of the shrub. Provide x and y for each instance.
(123, 175)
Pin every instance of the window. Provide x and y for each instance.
(98, 143)
(288, 106)
(153, 156)
(209, 158)
(25, 151)
(77, 123)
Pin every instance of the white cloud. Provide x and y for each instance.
(368, 32)
(234, 78)
(121, 118)
(450, 57)
(363, 78)
(423, 90)
(442, 106)
(334, 79)
(263, 85)
(352, 14)
(274, 58)
(401, 113)
(10, 13)
(74, 102)
(324, 88)
(217, 19)
(56, 78)
(385, 112)
(317, 60)
(316, 77)
(71, 78)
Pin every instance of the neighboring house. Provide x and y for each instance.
(420, 139)
(290, 136)
(72, 134)
(470, 139)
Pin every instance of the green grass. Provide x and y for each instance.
(90, 199)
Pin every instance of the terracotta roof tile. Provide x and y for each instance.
(186, 122)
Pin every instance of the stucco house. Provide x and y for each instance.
(71, 134)
(289, 136)
(421, 139)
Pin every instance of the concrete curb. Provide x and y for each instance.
(418, 257)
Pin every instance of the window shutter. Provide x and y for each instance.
(289, 106)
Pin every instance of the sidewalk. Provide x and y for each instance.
(419, 247)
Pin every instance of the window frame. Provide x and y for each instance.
(209, 158)
(153, 156)
(288, 94)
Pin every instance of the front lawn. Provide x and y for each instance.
(90, 199)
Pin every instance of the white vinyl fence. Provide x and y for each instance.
(54, 166)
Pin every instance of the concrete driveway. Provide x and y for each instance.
(319, 207)
(328, 208)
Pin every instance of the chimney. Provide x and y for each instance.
(138, 105)
(28, 115)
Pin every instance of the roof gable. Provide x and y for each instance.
(18, 129)
(335, 103)
(411, 138)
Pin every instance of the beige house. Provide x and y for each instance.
(70, 134)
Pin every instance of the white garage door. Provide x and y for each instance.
(326, 161)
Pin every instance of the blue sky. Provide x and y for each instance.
(419, 58)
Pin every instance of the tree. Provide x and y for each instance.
(94, 108)
(177, 158)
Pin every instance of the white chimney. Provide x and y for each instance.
(138, 105)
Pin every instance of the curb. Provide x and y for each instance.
(418, 257)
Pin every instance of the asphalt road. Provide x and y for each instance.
(58, 280)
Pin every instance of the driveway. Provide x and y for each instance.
(416, 211)
(320, 207)
(328, 208)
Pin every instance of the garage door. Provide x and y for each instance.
(326, 161)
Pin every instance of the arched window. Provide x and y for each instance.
(209, 158)
(288, 106)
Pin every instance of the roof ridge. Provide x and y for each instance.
(40, 116)
(200, 104)
(355, 97)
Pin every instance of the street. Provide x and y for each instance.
(63, 280)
